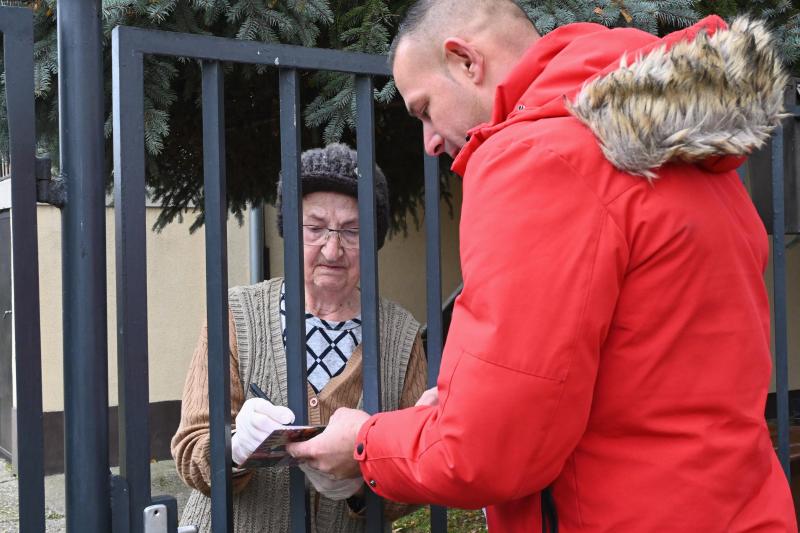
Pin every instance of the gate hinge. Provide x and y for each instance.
(49, 189)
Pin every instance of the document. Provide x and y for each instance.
(271, 453)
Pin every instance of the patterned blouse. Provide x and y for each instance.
(329, 345)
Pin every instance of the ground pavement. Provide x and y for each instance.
(164, 480)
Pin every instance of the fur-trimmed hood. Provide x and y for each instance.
(707, 94)
(715, 95)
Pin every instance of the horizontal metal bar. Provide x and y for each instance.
(216, 208)
(207, 47)
(17, 27)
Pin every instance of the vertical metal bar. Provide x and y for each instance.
(433, 267)
(434, 297)
(291, 198)
(216, 208)
(256, 243)
(18, 55)
(81, 118)
(365, 134)
(779, 301)
(130, 231)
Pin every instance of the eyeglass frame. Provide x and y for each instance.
(338, 233)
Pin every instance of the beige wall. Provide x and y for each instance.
(176, 289)
(175, 294)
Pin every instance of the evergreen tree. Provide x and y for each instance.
(173, 129)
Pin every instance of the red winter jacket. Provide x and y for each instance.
(612, 339)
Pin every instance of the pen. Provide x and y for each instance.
(258, 393)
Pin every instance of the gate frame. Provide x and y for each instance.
(16, 25)
(129, 46)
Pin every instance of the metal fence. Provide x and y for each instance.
(126, 503)
(16, 25)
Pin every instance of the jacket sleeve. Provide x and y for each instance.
(191, 444)
(542, 263)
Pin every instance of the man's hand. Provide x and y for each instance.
(331, 452)
(429, 398)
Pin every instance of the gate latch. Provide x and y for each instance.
(155, 521)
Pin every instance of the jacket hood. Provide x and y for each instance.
(707, 94)
(715, 95)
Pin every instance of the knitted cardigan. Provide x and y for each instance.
(263, 505)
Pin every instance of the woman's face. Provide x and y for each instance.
(332, 264)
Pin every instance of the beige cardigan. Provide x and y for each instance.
(191, 444)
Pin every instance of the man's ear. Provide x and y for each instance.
(462, 58)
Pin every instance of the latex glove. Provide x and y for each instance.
(256, 419)
(328, 486)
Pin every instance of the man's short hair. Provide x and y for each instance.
(427, 17)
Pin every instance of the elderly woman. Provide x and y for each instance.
(333, 361)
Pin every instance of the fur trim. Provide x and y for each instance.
(712, 96)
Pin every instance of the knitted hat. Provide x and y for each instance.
(334, 169)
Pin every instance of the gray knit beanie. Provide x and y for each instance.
(334, 169)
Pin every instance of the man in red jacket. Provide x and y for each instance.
(612, 338)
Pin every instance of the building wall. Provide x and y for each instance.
(175, 296)
(176, 306)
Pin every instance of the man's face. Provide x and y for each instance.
(446, 103)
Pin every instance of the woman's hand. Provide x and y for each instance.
(256, 419)
(331, 452)
(429, 398)
(329, 486)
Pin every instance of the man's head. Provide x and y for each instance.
(448, 58)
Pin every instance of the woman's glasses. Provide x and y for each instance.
(318, 236)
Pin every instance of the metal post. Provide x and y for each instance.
(219, 396)
(256, 243)
(130, 230)
(779, 302)
(291, 199)
(370, 319)
(17, 27)
(434, 297)
(80, 90)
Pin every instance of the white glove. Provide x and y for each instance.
(256, 419)
(325, 484)
(429, 397)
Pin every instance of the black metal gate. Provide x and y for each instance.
(6, 380)
(125, 503)
(16, 25)
(129, 46)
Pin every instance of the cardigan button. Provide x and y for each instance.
(372, 483)
(360, 448)
(313, 402)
